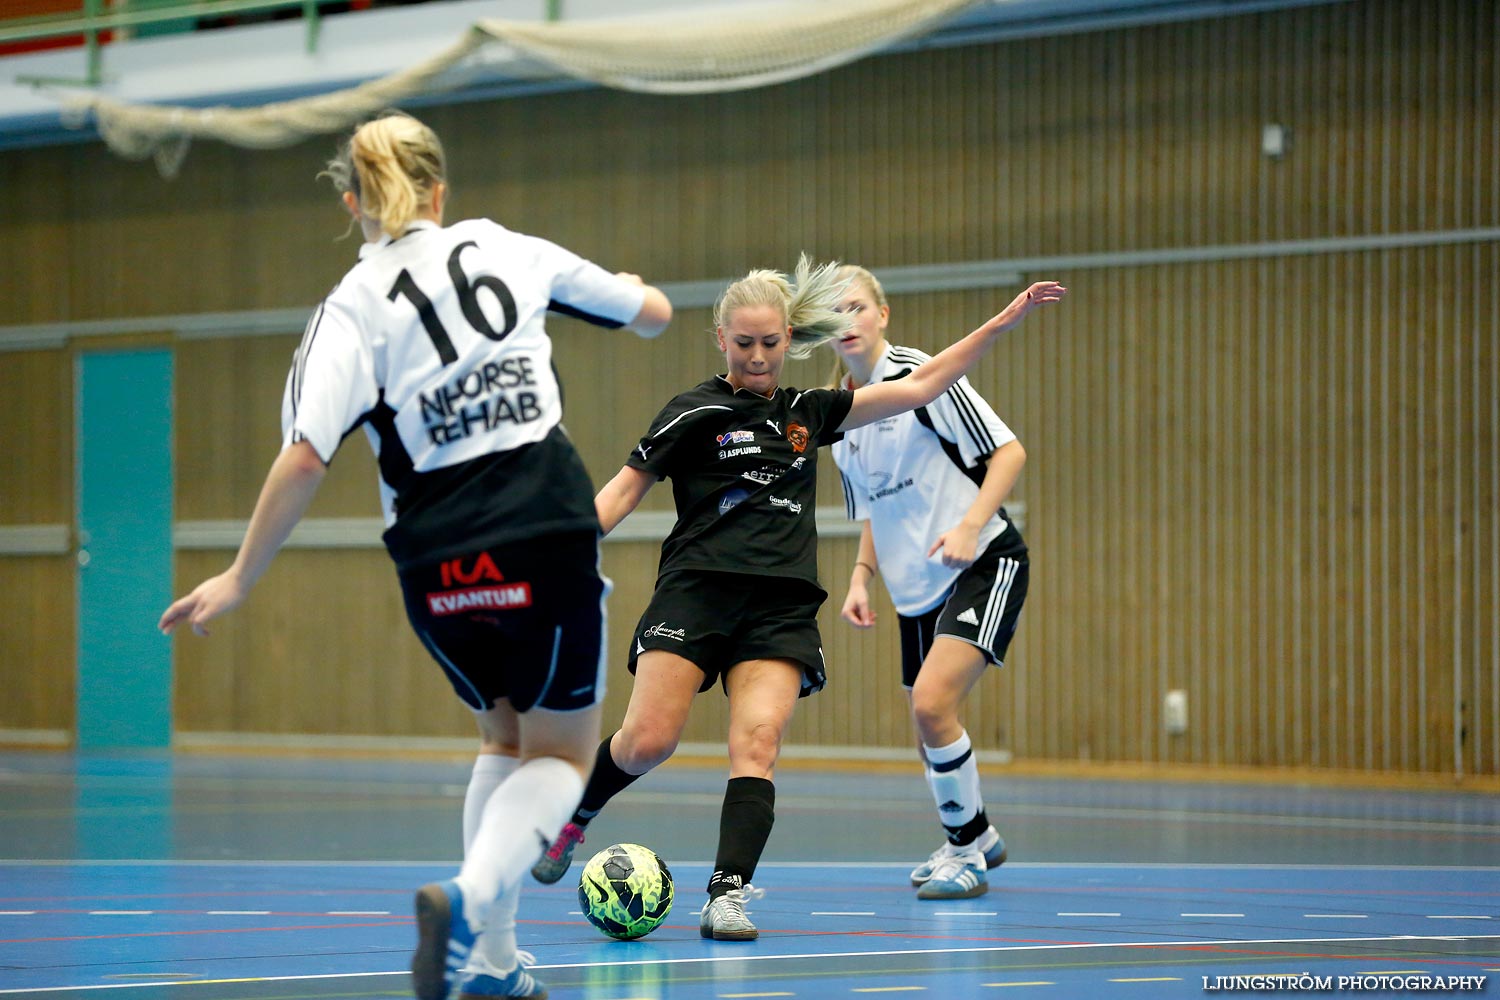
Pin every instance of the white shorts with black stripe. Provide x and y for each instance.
(982, 608)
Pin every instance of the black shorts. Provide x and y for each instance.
(523, 621)
(715, 620)
(982, 607)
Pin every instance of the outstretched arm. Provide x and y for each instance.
(656, 310)
(621, 495)
(289, 488)
(931, 379)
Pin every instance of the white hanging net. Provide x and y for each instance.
(678, 52)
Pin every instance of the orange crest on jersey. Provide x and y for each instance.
(797, 435)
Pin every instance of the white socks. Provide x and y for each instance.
(497, 945)
(522, 816)
(953, 776)
(490, 769)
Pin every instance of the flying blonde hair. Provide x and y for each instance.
(808, 302)
(391, 165)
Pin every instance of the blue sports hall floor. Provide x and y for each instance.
(202, 877)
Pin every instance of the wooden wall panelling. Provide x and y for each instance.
(1269, 482)
(37, 642)
(37, 424)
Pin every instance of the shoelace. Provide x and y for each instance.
(570, 835)
(940, 855)
(737, 898)
(949, 868)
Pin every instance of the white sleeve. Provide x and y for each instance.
(855, 504)
(962, 416)
(332, 383)
(583, 289)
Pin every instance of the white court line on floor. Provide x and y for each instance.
(359, 913)
(1336, 916)
(121, 913)
(1197, 943)
(1210, 914)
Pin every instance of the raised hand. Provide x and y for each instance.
(1039, 294)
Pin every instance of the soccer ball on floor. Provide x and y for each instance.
(625, 891)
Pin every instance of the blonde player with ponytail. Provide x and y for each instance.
(435, 343)
(737, 589)
(929, 487)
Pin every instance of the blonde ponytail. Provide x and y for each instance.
(808, 303)
(392, 165)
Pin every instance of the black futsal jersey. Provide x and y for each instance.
(744, 476)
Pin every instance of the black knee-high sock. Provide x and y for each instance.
(606, 781)
(744, 827)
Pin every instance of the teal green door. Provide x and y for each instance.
(124, 481)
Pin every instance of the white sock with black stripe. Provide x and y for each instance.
(953, 776)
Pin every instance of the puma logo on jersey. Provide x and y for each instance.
(639, 649)
(643, 448)
(774, 426)
(968, 617)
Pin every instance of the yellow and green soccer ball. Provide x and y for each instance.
(625, 891)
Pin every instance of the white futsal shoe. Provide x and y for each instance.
(990, 843)
(724, 917)
(960, 875)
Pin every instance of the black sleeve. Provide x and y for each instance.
(668, 440)
(826, 410)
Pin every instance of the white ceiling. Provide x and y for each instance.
(258, 63)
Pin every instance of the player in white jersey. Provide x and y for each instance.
(929, 485)
(435, 343)
(737, 590)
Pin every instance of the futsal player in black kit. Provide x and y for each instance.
(737, 591)
(435, 343)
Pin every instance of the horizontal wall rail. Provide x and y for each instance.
(908, 279)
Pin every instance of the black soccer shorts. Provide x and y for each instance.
(523, 621)
(715, 620)
(982, 608)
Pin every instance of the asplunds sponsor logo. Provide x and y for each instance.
(735, 443)
(493, 593)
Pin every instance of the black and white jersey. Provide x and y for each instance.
(436, 343)
(915, 475)
(744, 476)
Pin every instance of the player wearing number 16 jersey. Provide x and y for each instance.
(435, 343)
